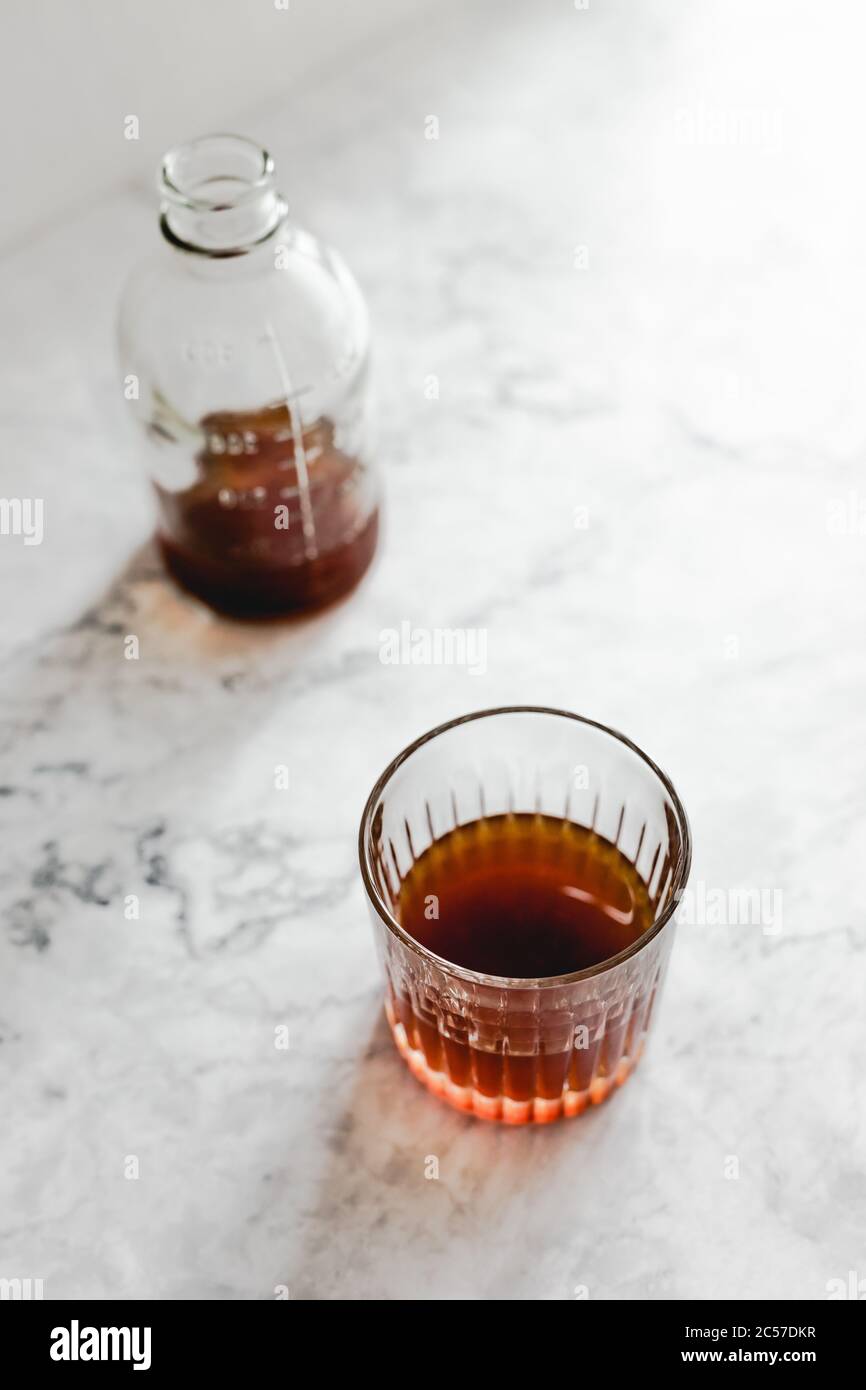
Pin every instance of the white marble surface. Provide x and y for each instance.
(698, 387)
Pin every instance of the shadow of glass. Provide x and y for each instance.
(416, 1201)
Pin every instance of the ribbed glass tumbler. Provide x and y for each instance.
(522, 1050)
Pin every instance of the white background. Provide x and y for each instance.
(72, 72)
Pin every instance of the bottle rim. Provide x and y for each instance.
(215, 178)
(209, 159)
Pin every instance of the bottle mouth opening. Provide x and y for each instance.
(216, 172)
(218, 196)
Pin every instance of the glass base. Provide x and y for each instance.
(540, 1110)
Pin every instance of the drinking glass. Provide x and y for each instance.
(522, 1050)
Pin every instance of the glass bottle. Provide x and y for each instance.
(244, 345)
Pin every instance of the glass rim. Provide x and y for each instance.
(477, 977)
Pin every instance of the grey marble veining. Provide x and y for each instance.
(630, 260)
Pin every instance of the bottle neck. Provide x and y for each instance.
(218, 196)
